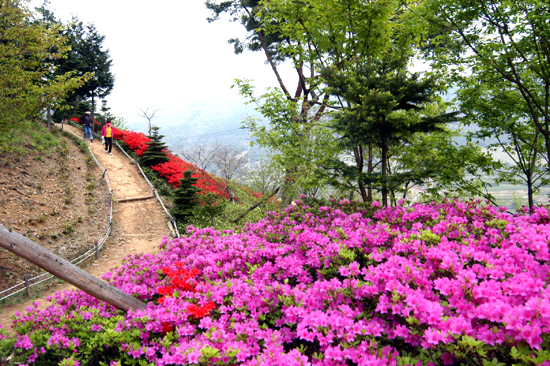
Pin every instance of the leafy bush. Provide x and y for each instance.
(437, 284)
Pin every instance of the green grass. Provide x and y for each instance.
(26, 136)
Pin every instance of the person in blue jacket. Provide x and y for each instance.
(88, 123)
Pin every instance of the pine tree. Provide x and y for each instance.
(185, 198)
(155, 151)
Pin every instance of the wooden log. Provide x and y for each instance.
(134, 198)
(34, 253)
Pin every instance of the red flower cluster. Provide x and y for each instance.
(180, 282)
(118, 134)
(173, 170)
(179, 279)
(253, 194)
(167, 328)
(198, 312)
(136, 141)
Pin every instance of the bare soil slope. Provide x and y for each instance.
(28, 201)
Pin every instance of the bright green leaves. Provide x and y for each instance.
(27, 54)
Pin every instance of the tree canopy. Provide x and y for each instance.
(29, 80)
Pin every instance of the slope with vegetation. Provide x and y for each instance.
(52, 192)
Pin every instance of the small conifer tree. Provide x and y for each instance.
(155, 153)
(211, 206)
(185, 198)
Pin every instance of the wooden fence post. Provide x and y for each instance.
(34, 253)
(27, 285)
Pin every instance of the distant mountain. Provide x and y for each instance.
(216, 120)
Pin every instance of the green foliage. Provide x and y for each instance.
(247, 13)
(86, 57)
(386, 107)
(156, 150)
(298, 145)
(455, 170)
(499, 45)
(503, 121)
(185, 198)
(210, 206)
(25, 135)
(27, 54)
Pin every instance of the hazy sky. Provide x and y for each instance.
(165, 53)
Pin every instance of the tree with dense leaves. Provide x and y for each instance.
(185, 198)
(156, 150)
(87, 57)
(386, 105)
(28, 78)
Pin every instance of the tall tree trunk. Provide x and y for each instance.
(49, 116)
(530, 191)
(370, 169)
(359, 163)
(546, 122)
(384, 173)
(93, 111)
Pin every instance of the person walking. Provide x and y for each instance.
(88, 123)
(107, 133)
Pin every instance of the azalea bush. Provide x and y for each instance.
(136, 141)
(173, 170)
(456, 283)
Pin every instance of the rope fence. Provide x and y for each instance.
(172, 221)
(115, 143)
(34, 281)
(25, 285)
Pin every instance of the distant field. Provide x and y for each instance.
(510, 196)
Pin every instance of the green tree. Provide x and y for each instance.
(325, 33)
(495, 40)
(27, 52)
(156, 150)
(209, 207)
(185, 198)
(87, 57)
(386, 107)
(105, 113)
(501, 119)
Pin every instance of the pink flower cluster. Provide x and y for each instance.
(326, 287)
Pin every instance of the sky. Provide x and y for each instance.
(165, 53)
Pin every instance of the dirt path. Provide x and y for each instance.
(138, 226)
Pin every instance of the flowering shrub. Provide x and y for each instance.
(136, 141)
(118, 134)
(173, 170)
(437, 284)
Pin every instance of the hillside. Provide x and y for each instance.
(69, 211)
(53, 196)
